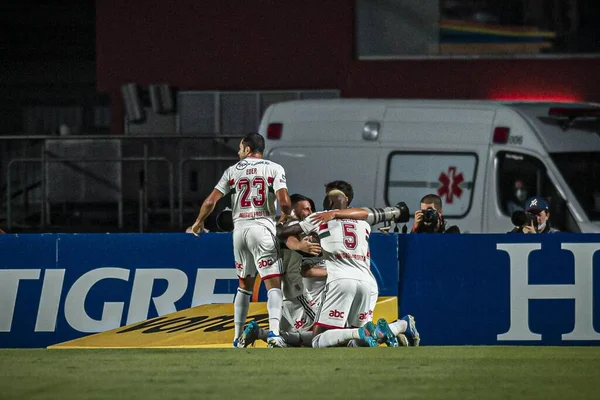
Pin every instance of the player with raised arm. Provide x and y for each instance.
(404, 328)
(254, 183)
(348, 295)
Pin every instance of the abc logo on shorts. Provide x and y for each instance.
(265, 263)
(336, 314)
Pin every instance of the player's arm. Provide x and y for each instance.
(281, 192)
(373, 216)
(207, 207)
(285, 204)
(285, 231)
(304, 245)
(305, 226)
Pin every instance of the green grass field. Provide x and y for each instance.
(382, 373)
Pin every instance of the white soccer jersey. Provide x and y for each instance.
(253, 183)
(345, 243)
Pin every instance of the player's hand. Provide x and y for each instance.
(529, 229)
(323, 217)
(198, 228)
(309, 247)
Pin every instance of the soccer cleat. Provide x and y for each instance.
(374, 332)
(236, 343)
(249, 336)
(275, 341)
(402, 340)
(412, 335)
(366, 334)
(386, 333)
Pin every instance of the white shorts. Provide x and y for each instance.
(299, 314)
(346, 303)
(373, 300)
(255, 249)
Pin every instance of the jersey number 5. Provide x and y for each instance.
(350, 236)
(245, 186)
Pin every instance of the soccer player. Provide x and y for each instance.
(348, 295)
(254, 183)
(404, 329)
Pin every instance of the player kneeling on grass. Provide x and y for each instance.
(348, 299)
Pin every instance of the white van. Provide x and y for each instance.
(472, 153)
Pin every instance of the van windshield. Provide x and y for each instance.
(581, 170)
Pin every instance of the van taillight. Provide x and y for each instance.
(501, 134)
(274, 131)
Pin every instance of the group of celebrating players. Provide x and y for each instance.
(315, 265)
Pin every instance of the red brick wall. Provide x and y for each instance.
(227, 45)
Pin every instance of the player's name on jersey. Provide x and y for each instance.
(359, 257)
(254, 214)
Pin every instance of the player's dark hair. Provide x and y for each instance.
(255, 141)
(432, 199)
(344, 186)
(296, 197)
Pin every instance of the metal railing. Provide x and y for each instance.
(43, 160)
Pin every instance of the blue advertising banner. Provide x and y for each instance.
(502, 289)
(58, 287)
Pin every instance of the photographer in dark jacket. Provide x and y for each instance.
(430, 219)
(535, 218)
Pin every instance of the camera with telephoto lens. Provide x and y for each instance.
(430, 216)
(523, 218)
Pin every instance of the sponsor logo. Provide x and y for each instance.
(365, 315)
(299, 324)
(85, 305)
(197, 323)
(336, 314)
(242, 164)
(239, 266)
(521, 291)
(267, 262)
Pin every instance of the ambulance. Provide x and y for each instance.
(483, 158)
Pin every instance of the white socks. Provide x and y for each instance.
(335, 337)
(274, 307)
(398, 327)
(240, 311)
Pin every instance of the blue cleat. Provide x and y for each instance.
(387, 335)
(412, 335)
(236, 344)
(366, 334)
(249, 336)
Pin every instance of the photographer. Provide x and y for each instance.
(430, 219)
(535, 218)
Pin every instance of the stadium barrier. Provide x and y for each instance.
(463, 289)
(502, 289)
(59, 287)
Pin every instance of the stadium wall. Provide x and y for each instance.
(463, 289)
